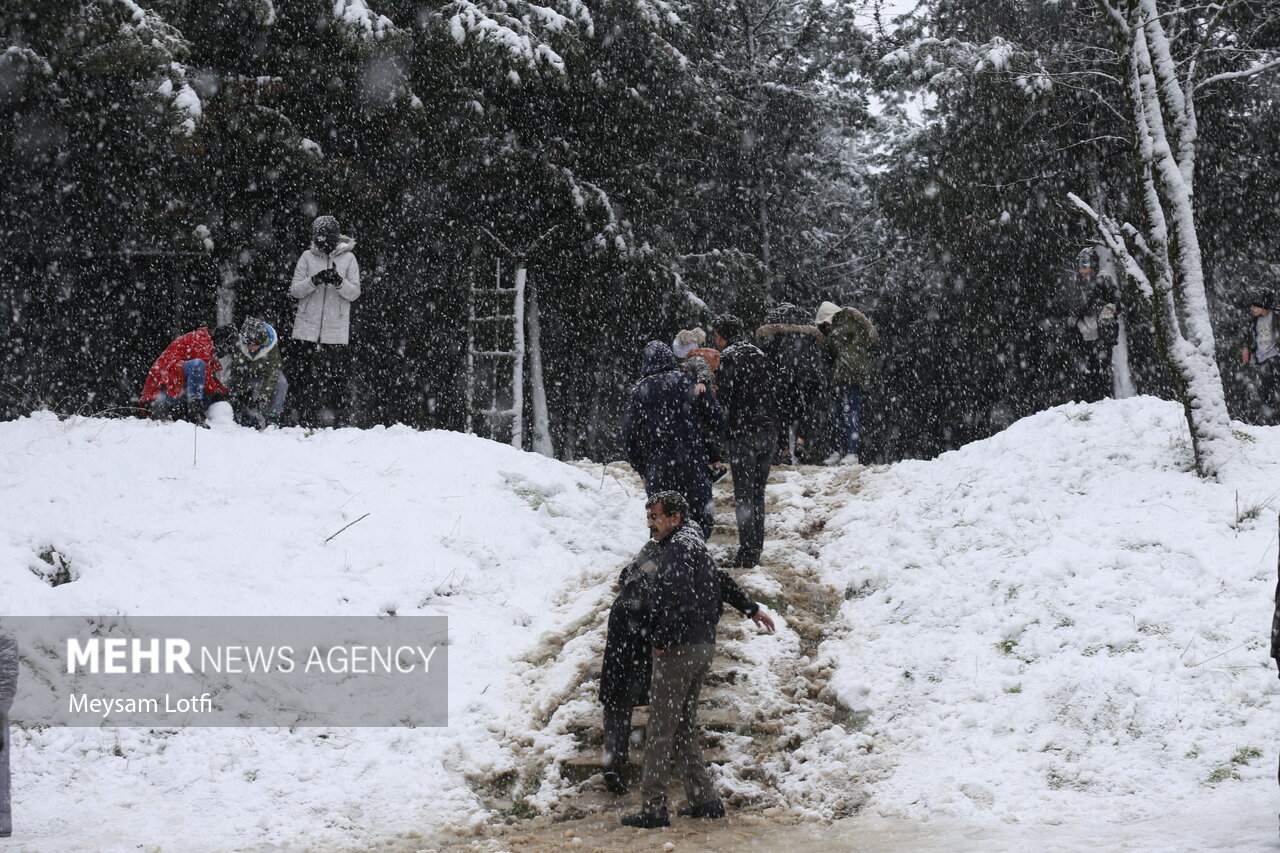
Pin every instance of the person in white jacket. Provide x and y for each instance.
(8, 686)
(326, 280)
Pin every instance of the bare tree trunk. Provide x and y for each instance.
(541, 421)
(1163, 257)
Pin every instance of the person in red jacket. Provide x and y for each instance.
(183, 378)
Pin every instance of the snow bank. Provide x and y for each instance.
(452, 525)
(1062, 623)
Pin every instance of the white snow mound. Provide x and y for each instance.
(164, 519)
(1063, 621)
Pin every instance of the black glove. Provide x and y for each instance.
(329, 276)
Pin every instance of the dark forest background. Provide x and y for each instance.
(692, 158)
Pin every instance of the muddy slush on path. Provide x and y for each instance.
(788, 756)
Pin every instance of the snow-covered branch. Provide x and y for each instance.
(1237, 75)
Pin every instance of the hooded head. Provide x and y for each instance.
(657, 358)
(826, 313)
(1261, 300)
(1088, 257)
(257, 338)
(324, 233)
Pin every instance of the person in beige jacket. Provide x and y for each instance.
(326, 280)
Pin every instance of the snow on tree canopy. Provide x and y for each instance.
(520, 36)
(359, 22)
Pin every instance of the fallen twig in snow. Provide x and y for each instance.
(361, 518)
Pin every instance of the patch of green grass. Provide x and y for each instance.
(1083, 417)
(855, 719)
(1221, 774)
(521, 809)
(1017, 688)
(1241, 435)
(1007, 646)
(775, 605)
(1227, 769)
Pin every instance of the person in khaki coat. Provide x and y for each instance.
(848, 337)
(8, 687)
(326, 280)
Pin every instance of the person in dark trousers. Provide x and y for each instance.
(1261, 346)
(662, 432)
(257, 376)
(682, 631)
(628, 654)
(8, 687)
(747, 388)
(1097, 320)
(183, 381)
(848, 336)
(794, 346)
(701, 362)
(326, 281)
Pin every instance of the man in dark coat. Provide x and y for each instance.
(794, 346)
(8, 687)
(748, 391)
(662, 432)
(686, 605)
(628, 653)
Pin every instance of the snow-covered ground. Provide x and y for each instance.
(456, 526)
(1061, 626)
(1057, 628)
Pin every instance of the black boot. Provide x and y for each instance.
(613, 781)
(711, 809)
(647, 819)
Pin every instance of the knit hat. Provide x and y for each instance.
(687, 340)
(1088, 257)
(326, 225)
(826, 311)
(1262, 300)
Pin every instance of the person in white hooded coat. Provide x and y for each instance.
(8, 687)
(326, 280)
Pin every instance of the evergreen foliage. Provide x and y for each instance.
(671, 160)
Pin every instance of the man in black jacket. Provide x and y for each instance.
(746, 390)
(628, 653)
(682, 631)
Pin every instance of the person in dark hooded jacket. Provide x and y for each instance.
(794, 346)
(628, 660)
(662, 432)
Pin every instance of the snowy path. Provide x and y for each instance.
(794, 755)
